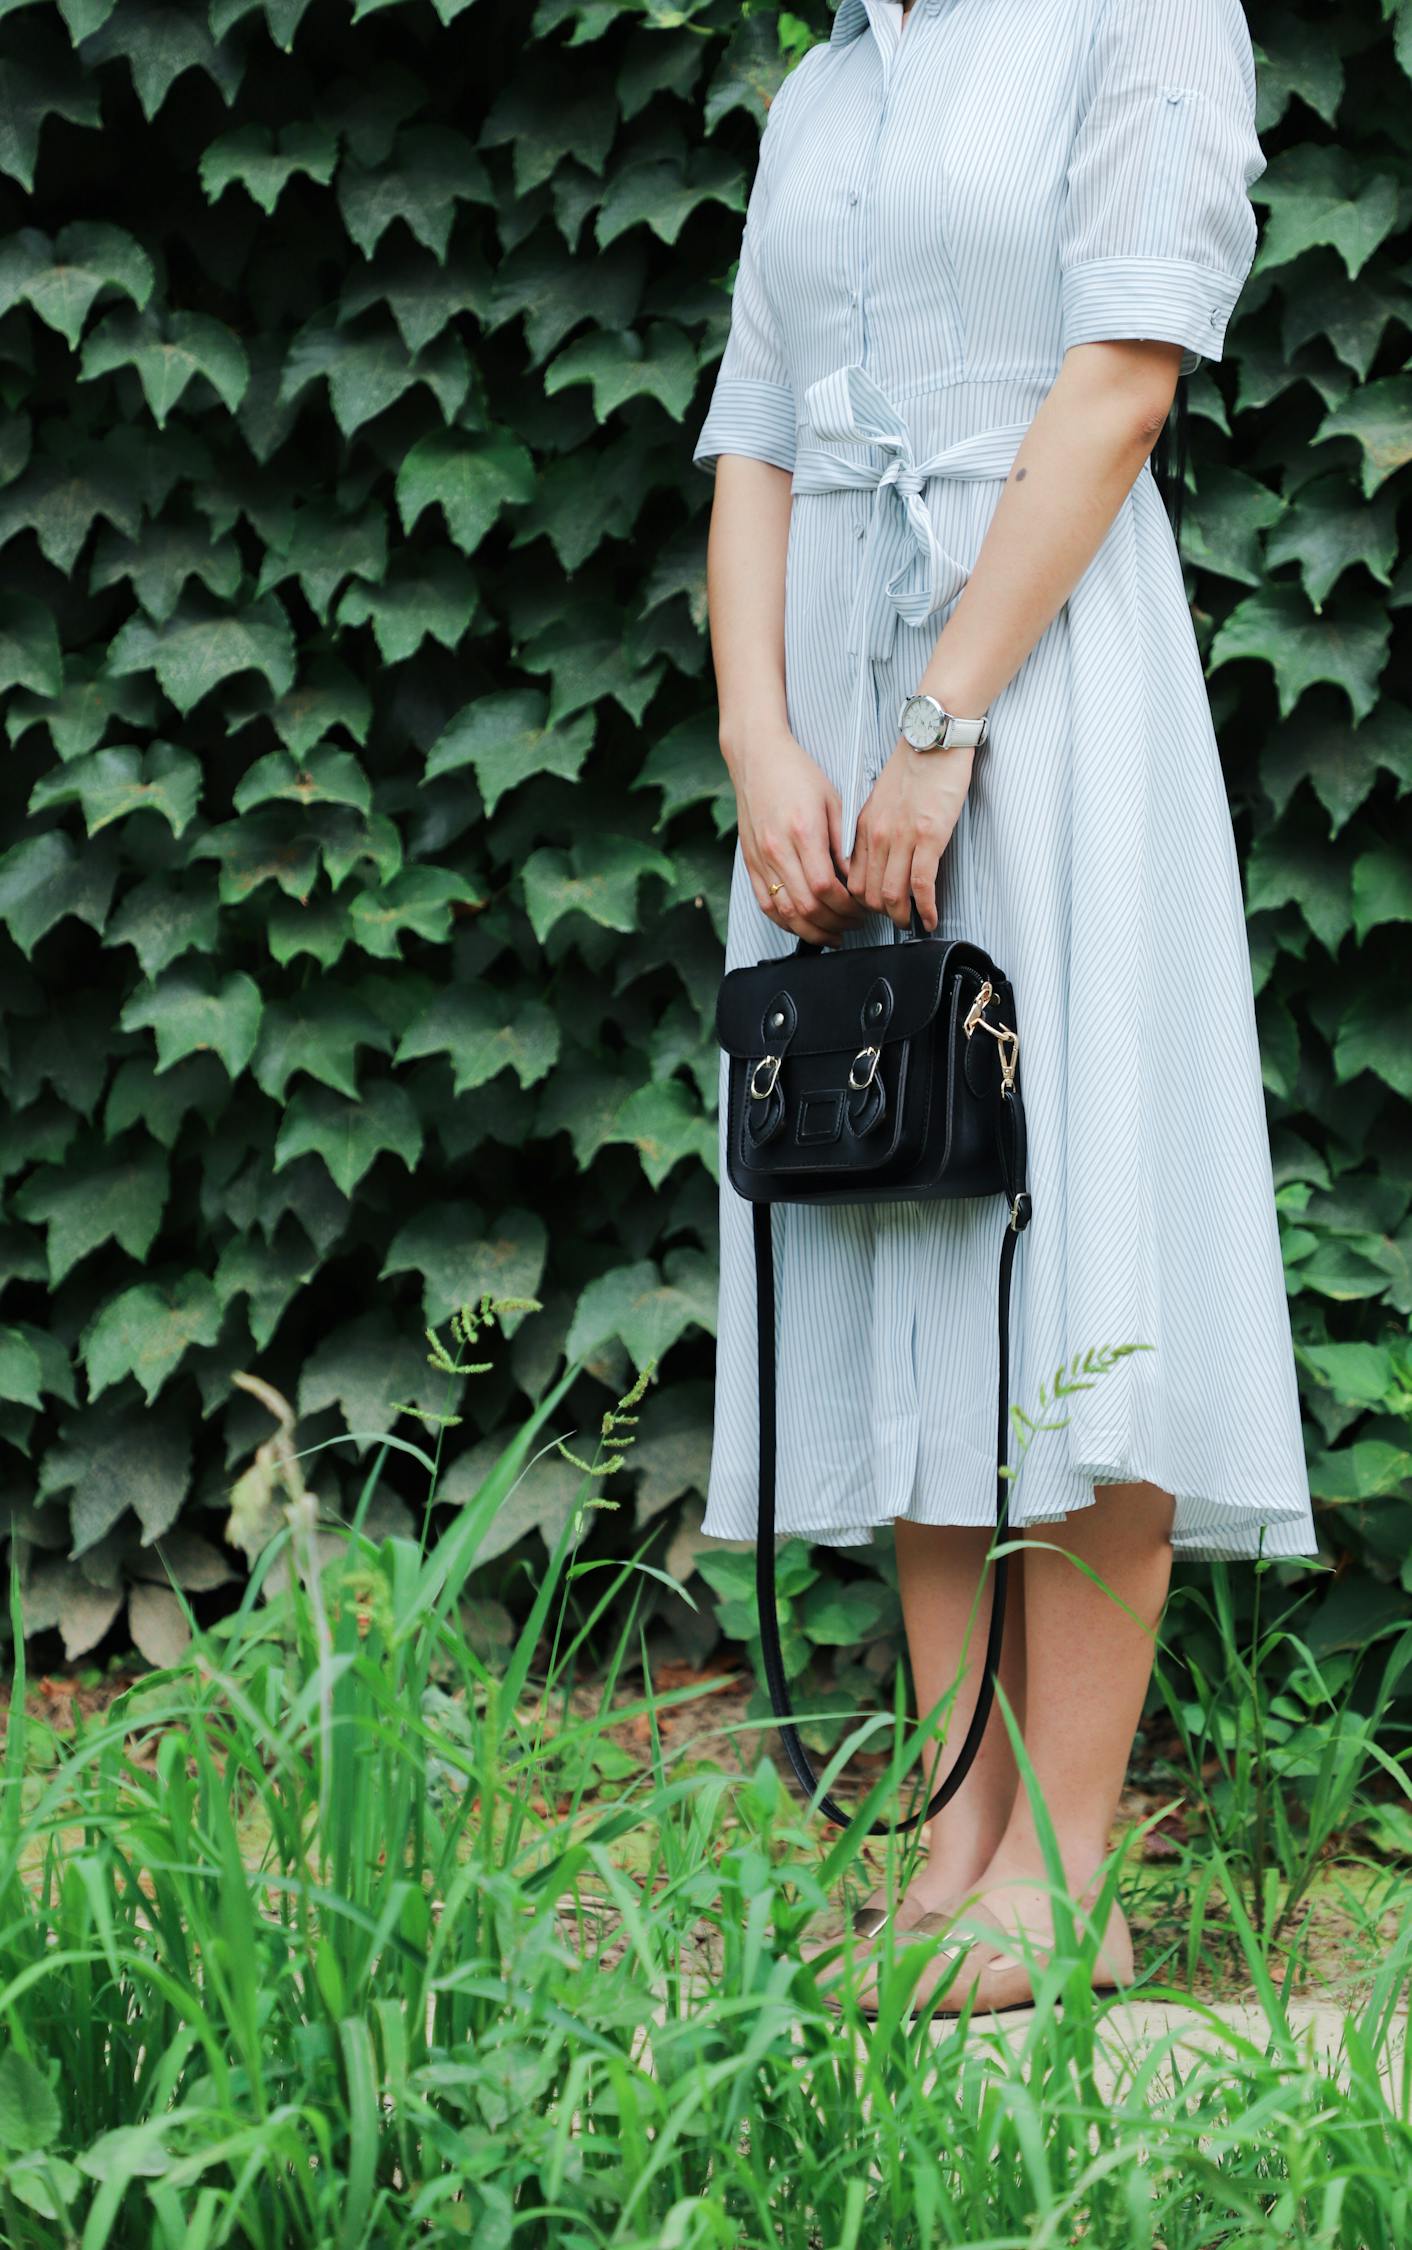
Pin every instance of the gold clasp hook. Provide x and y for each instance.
(1007, 1040)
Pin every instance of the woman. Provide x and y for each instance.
(984, 239)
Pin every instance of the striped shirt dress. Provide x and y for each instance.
(941, 208)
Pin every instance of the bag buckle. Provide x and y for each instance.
(872, 1054)
(763, 1093)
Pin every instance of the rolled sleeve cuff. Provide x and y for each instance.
(747, 417)
(1164, 299)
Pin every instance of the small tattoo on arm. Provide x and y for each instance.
(1020, 475)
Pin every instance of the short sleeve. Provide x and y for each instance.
(1158, 232)
(752, 404)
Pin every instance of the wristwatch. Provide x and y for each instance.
(924, 723)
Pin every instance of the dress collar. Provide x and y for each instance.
(852, 18)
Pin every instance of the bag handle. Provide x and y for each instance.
(1010, 1129)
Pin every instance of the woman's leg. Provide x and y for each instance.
(1088, 1664)
(939, 1568)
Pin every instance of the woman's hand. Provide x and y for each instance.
(791, 827)
(904, 827)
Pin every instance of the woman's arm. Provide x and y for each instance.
(789, 813)
(1080, 456)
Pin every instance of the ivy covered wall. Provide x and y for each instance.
(365, 842)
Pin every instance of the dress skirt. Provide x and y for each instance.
(1094, 859)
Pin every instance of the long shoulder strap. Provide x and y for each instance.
(1012, 1140)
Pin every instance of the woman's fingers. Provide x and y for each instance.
(925, 861)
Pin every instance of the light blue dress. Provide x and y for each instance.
(939, 211)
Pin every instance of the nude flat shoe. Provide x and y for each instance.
(925, 1926)
(1005, 1984)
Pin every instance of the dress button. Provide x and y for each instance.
(1215, 316)
(853, 195)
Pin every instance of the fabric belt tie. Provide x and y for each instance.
(904, 571)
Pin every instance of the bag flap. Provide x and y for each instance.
(827, 994)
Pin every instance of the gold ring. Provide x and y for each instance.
(775, 887)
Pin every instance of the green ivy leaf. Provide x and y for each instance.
(1323, 196)
(418, 899)
(1376, 1034)
(193, 1009)
(664, 1124)
(597, 877)
(199, 646)
(1379, 418)
(43, 879)
(161, 1103)
(1274, 627)
(322, 548)
(484, 1031)
(162, 563)
(470, 479)
(686, 765)
(427, 597)
(49, 84)
(621, 365)
(115, 1458)
(663, 193)
(1285, 869)
(1341, 763)
(460, 1256)
(423, 296)
(576, 126)
(349, 1135)
(147, 1331)
(110, 784)
(1331, 531)
(79, 716)
(327, 695)
(1382, 888)
(368, 1369)
(166, 353)
(61, 279)
(101, 1196)
(269, 1276)
(21, 1380)
(29, 646)
(318, 927)
(62, 493)
(324, 776)
(264, 847)
(430, 172)
(264, 163)
(319, 1031)
(1297, 58)
(1351, 316)
(507, 739)
(162, 922)
(644, 1308)
(1225, 521)
(282, 19)
(159, 43)
(368, 371)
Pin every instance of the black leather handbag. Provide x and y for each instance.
(854, 1075)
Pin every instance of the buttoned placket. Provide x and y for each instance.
(892, 54)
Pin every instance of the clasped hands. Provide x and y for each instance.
(791, 832)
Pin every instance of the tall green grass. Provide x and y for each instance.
(333, 1935)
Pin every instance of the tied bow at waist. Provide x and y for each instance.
(904, 571)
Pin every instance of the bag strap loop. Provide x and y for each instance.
(1011, 1130)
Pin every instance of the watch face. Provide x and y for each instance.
(920, 724)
